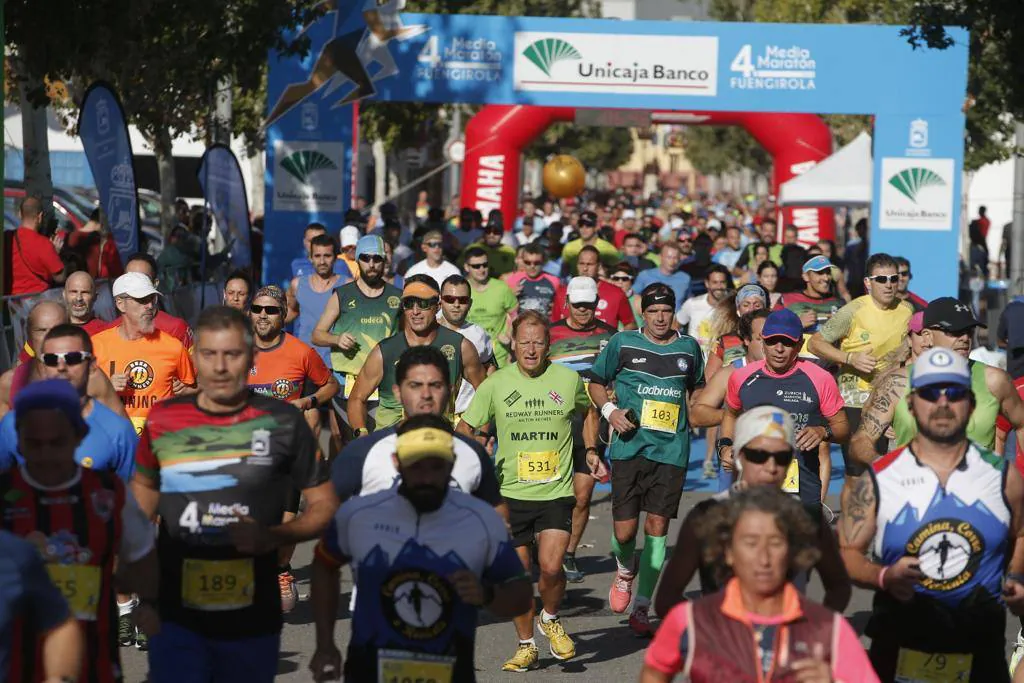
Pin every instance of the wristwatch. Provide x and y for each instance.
(828, 432)
(358, 432)
(721, 443)
(313, 402)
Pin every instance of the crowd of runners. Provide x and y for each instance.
(474, 382)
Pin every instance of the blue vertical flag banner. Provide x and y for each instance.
(104, 133)
(220, 176)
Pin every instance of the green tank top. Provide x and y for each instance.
(367, 319)
(449, 342)
(981, 429)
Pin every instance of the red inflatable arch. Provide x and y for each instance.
(497, 135)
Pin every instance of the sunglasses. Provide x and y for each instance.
(882, 279)
(620, 278)
(368, 258)
(779, 339)
(409, 303)
(953, 394)
(52, 360)
(904, 273)
(532, 263)
(477, 266)
(452, 299)
(433, 245)
(759, 457)
(584, 304)
(269, 310)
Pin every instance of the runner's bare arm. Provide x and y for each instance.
(728, 431)
(877, 415)
(1010, 403)
(840, 427)
(1013, 587)
(707, 407)
(321, 336)
(472, 368)
(147, 493)
(328, 391)
(681, 567)
(366, 383)
(62, 651)
(857, 527)
(832, 571)
(293, 301)
(102, 390)
(321, 504)
(822, 349)
(591, 427)
(5, 392)
(711, 368)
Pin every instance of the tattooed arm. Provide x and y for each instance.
(877, 415)
(857, 529)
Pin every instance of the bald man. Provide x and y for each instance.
(43, 317)
(35, 265)
(80, 298)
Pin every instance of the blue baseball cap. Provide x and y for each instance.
(784, 323)
(816, 264)
(51, 394)
(939, 366)
(370, 245)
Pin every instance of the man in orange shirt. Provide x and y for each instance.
(164, 321)
(142, 361)
(282, 366)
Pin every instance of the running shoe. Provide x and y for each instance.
(562, 646)
(640, 623)
(141, 640)
(527, 657)
(289, 594)
(710, 471)
(621, 592)
(125, 630)
(572, 572)
(1018, 653)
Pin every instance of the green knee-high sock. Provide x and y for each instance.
(624, 553)
(651, 560)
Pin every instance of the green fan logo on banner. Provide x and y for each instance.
(911, 181)
(303, 163)
(548, 52)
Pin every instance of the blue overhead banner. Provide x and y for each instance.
(104, 133)
(914, 95)
(224, 189)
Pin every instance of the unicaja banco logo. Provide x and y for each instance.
(302, 164)
(909, 182)
(548, 52)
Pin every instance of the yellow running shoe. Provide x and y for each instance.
(562, 646)
(527, 657)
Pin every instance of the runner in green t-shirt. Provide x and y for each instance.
(420, 300)
(651, 371)
(357, 316)
(532, 405)
(493, 301)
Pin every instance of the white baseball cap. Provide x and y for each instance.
(350, 236)
(628, 213)
(766, 421)
(135, 285)
(582, 290)
(940, 366)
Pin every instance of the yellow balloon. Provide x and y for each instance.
(564, 176)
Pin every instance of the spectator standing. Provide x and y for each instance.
(35, 265)
(667, 273)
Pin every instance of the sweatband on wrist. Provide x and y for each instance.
(607, 408)
(881, 577)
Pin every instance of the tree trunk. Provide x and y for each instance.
(38, 181)
(380, 173)
(256, 187)
(161, 145)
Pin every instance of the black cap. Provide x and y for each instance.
(588, 218)
(950, 315)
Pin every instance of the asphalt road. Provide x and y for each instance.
(606, 649)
